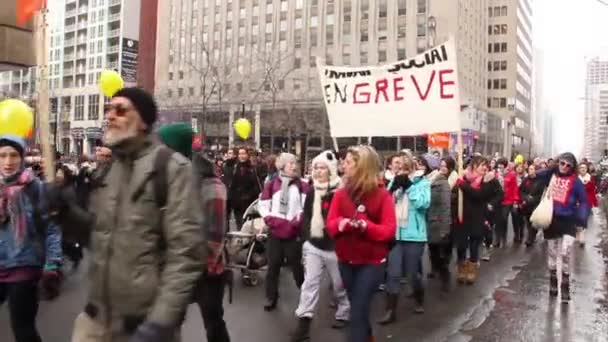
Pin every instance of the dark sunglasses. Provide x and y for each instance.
(119, 108)
(563, 163)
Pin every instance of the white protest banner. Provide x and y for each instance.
(409, 97)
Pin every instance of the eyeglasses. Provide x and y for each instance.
(119, 108)
(564, 164)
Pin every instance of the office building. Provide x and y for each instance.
(510, 69)
(221, 56)
(596, 109)
(87, 36)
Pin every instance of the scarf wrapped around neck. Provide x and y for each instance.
(284, 199)
(585, 179)
(474, 178)
(13, 204)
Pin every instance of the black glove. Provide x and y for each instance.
(401, 182)
(153, 332)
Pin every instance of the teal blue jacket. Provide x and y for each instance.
(419, 196)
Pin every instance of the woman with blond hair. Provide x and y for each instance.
(362, 221)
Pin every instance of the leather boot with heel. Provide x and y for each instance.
(390, 316)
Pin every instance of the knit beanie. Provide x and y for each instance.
(283, 159)
(329, 159)
(13, 141)
(143, 102)
(178, 137)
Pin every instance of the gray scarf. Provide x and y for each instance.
(284, 202)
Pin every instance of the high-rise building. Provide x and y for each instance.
(539, 108)
(510, 66)
(87, 36)
(596, 109)
(231, 58)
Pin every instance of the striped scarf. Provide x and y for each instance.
(12, 204)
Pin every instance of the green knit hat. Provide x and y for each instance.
(178, 137)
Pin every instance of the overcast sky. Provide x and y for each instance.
(569, 32)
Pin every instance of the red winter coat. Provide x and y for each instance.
(510, 189)
(372, 245)
(591, 191)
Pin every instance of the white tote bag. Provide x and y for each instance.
(543, 214)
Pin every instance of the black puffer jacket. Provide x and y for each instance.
(245, 187)
(325, 243)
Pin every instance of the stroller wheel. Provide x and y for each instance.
(250, 279)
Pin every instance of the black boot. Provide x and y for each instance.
(553, 283)
(419, 298)
(390, 315)
(302, 332)
(565, 287)
(270, 305)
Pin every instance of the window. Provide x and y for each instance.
(401, 27)
(401, 53)
(180, 92)
(99, 60)
(269, 8)
(191, 91)
(93, 107)
(421, 6)
(283, 5)
(298, 23)
(503, 47)
(314, 21)
(79, 108)
(503, 65)
(490, 14)
(382, 56)
(299, 4)
(181, 75)
(503, 11)
(329, 19)
(503, 29)
(313, 37)
(364, 9)
(281, 84)
(496, 29)
(503, 83)
(239, 87)
(490, 48)
(382, 9)
(489, 84)
(421, 30)
(313, 62)
(496, 47)
(490, 29)
(346, 59)
(496, 83)
(363, 57)
(496, 65)
(170, 76)
(297, 63)
(329, 35)
(401, 7)
(503, 102)
(489, 65)
(283, 25)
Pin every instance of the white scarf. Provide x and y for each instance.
(585, 179)
(317, 223)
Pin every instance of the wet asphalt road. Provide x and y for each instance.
(508, 303)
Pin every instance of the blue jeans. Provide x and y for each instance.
(405, 257)
(361, 282)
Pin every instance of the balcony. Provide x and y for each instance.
(113, 49)
(115, 2)
(114, 33)
(113, 65)
(70, 13)
(68, 57)
(114, 17)
(83, 10)
(82, 25)
(81, 70)
(81, 55)
(69, 28)
(69, 42)
(81, 40)
(68, 71)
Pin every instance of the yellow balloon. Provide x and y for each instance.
(16, 118)
(242, 128)
(519, 159)
(110, 82)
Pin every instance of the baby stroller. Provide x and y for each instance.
(246, 249)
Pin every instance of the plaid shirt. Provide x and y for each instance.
(213, 201)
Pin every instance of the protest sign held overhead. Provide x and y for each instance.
(414, 96)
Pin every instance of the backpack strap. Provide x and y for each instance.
(161, 177)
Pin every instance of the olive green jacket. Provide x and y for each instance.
(140, 266)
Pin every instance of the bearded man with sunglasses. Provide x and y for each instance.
(145, 259)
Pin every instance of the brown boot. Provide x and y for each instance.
(471, 273)
(461, 272)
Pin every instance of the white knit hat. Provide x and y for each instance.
(283, 159)
(329, 159)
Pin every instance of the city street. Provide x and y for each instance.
(509, 303)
